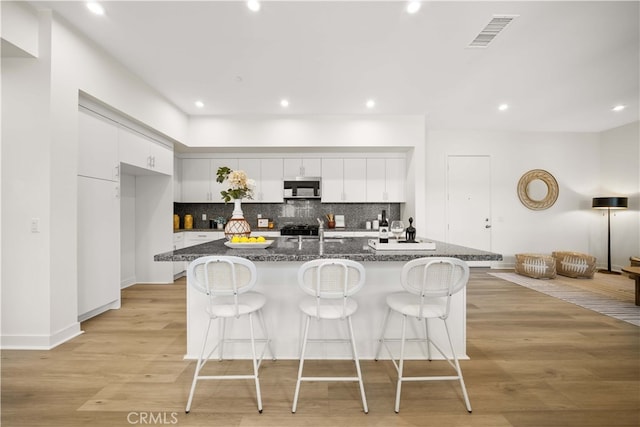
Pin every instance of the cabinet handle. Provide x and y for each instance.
(117, 171)
(153, 162)
(117, 191)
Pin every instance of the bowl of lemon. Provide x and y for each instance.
(245, 242)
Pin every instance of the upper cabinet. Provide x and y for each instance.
(97, 147)
(386, 180)
(267, 173)
(199, 179)
(344, 180)
(302, 167)
(144, 153)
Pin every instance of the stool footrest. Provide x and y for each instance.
(329, 379)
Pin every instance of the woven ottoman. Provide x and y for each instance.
(537, 266)
(575, 264)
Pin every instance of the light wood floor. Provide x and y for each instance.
(535, 361)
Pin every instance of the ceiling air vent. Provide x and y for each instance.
(493, 28)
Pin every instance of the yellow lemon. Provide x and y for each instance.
(252, 239)
(244, 239)
(235, 239)
(261, 239)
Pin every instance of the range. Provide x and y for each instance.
(299, 230)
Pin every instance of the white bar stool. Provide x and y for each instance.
(429, 284)
(330, 282)
(227, 281)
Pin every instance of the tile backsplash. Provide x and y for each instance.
(290, 212)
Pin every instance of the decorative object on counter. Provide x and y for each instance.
(410, 233)
(609, 203)
(340, 223)
(538, 189)
(240, 186)
(397, 227)
(263, 222)
(331, 221)
(383, 231)
(188, 222)
(237, 225)
(176, 222)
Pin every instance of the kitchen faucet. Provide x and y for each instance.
(321, 230)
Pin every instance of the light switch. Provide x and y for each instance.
(204, 217)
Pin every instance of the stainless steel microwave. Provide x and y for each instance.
(303, 187)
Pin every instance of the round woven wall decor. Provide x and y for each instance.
(525, 196)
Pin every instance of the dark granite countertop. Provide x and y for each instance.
(355, 248)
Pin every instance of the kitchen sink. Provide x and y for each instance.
(316, 238)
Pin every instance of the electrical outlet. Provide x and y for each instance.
(204, 217)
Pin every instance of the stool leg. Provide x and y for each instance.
(384, 330)
(300, 367)
(455, 358)
(426, 334)
(355, 356)
(255, 363)
(401, 364)
(266, 334)
(223, 325)
(199, 365)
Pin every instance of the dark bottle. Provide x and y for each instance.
(383, 230)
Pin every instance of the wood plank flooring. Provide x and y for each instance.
(535, 361)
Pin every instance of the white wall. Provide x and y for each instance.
(19, 29)
(573, 159)
(619, 176)
(39, 167)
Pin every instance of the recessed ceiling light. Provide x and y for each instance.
(199, 104)
(618, 108)
(95, 8)
(284, 103)
(371, 103)
(503, 107)
(413, 7)
(253, 5)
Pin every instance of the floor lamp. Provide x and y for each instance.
(609, 203)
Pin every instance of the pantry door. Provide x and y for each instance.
(469, 201)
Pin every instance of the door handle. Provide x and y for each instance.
(487, 226)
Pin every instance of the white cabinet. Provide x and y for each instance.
(97, 146)
(98, 246)
(344, 180)
(199, 179)
(302, 167)
(192, 238)
(267, 173)
(177, 180)
(178, 243)
(142, 152)
(386, 180)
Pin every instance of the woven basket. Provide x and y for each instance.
(537, 266)
(575, 264)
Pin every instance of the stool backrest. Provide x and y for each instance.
(435, 279)
(222, 276)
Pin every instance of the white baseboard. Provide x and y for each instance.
(40, 342)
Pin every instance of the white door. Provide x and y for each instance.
(469, 201)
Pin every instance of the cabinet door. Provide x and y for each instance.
(252, 168)
(177, 180)
(196, 177)
(395, 180)
(312, 167)
(134, 148)
(332, 180)
(355, 180)
(376, 171)
(271, 181)
(161, 158)
(292, 167)
(97, 146)
(98, 244)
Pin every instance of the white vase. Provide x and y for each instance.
(237, 209)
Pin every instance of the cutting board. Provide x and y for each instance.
(421, 245)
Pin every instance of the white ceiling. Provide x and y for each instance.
(561, 66)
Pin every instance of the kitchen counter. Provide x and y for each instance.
(277, 268)
(287, 248)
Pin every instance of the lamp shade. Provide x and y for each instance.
(610, 203)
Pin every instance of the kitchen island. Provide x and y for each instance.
(277, 268)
